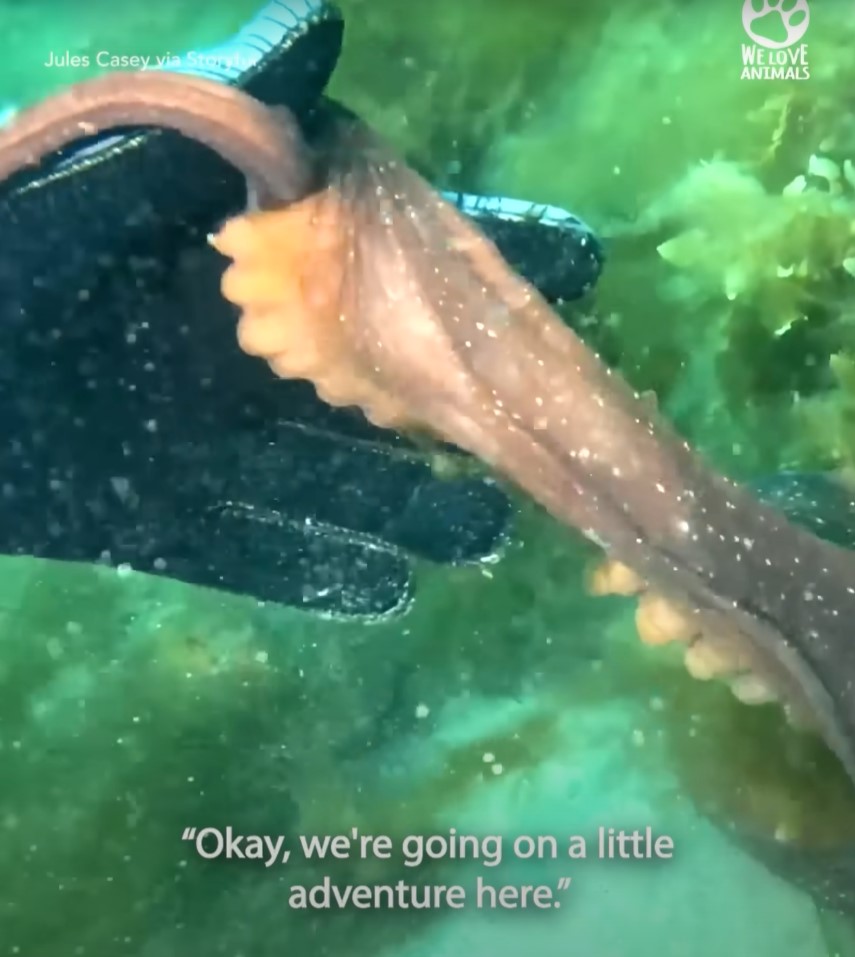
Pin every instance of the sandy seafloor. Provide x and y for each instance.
(173, 711)
(710, 898)
(516, 665)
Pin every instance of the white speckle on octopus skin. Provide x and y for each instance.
(592, 536)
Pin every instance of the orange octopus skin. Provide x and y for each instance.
(287, 278)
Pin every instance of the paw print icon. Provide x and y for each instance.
(768, 21)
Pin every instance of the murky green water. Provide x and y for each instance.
(505, 701)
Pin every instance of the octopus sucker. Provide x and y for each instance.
(716, 656)
(287, 274)
(753, 690)
(363, 345)
(612, 578)
(661, 622)
(708, 656)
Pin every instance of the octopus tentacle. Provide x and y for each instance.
(407, 310)
(265, 145)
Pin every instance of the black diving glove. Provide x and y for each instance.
(137, 433)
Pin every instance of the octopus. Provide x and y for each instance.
(351, 272)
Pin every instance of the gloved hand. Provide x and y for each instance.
(139, 434)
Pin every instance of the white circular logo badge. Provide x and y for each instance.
(794, 19)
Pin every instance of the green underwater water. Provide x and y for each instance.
(131, 707)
